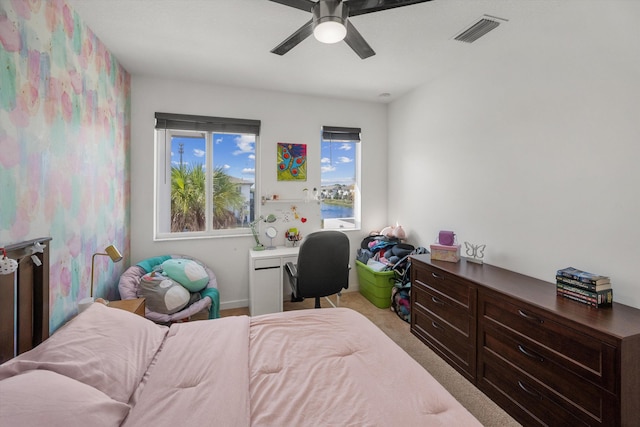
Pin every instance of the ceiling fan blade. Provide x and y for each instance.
(298, 4)
(357, 42)
(360, 7)
(292, 41)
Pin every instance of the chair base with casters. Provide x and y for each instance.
(322, 268)
(317, 303)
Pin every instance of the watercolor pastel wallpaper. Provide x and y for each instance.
(64, 147)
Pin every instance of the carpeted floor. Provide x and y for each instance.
(487, 412)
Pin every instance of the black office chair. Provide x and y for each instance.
(322, 268)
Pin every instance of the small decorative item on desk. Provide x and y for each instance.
(293, 236)
(271, 233)
(475, 253)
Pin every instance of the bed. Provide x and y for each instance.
(331, 367)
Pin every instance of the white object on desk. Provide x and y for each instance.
(271, 233)
(267, 279)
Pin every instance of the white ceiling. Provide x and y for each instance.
(229, 41)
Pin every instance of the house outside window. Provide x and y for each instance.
(340, 178)
(205, 176)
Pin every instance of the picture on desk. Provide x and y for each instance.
(292, 162)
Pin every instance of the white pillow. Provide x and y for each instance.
(106, 348)
(44, 398)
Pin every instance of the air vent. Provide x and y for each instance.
(479, 29)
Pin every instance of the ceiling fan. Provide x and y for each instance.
(330, 22)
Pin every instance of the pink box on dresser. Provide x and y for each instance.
(445, 253)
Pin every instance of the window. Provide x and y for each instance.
(340, 178)
(205, 176)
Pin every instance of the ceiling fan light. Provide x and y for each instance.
(330, 31)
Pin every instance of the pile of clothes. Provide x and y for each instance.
(383, 250)
(383, 253)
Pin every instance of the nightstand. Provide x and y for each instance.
(132, 305)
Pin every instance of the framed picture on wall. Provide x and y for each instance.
(292, 162)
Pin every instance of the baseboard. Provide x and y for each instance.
(225, 305)
(234, 304)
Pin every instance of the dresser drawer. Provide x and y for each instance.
(445, 340)
(442, 306)
(579, 353)
(447, 285)
(533, 402)
(546, 367)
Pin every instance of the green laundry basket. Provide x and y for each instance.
(376, 286)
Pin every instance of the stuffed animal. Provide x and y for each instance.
(394, 232)
(399, 233)
(162, 294)
(387, 231)
(188, 273)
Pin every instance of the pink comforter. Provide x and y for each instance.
(329, 367)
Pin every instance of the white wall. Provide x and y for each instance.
(285, 118)
(533, 151)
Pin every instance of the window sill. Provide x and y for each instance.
(164, 237)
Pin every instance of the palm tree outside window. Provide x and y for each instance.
(205, 175)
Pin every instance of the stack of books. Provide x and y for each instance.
(587, 288)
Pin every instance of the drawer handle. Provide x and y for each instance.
(437, 301)
(530, 317)
(530, 353)
(529, 392)
(437, 276)
(436, 326)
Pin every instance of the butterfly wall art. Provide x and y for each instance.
(292, 162)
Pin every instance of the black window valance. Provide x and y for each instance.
(336, 133)
(206, 123)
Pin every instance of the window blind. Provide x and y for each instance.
(336, 133)
(206, 123)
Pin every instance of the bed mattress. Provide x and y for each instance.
(329, 367)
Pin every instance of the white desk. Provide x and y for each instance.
(267, 278)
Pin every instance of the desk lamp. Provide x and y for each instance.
(269, 219)
(112, 252)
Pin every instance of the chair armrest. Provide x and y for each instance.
(292, 269)
(292, 272)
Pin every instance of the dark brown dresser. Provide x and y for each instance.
(545, 359)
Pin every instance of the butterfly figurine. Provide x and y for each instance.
(476, 252)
